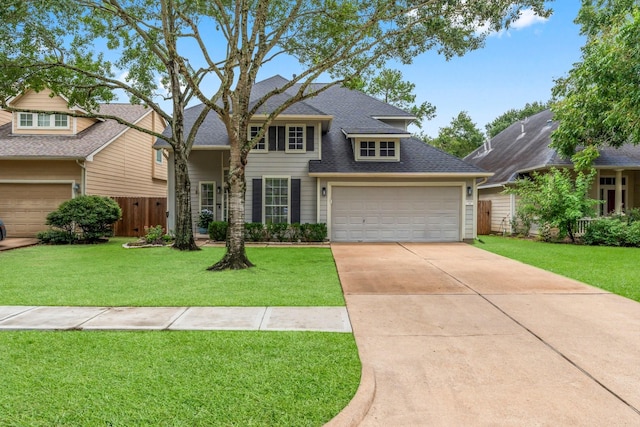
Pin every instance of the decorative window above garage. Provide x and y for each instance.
(377, 150)
(43, 121)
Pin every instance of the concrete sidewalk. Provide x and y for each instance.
(324, 319)
(451, 335)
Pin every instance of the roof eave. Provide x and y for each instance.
(400, 174)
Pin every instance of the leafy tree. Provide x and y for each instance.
(390, 88)
(599, 100)
(193, 44)
(459, 138)
(505, 120)
(557, 198)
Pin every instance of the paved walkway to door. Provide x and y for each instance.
(451, 335)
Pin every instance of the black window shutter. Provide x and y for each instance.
(272, 138)
(256, 202)
(295, 201)
(281, 138)
(310, 135)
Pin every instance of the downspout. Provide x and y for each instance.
(83, 177)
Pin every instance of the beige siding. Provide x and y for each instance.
(124, 168)
(501, 209)
(43, 101)
(5, 117)
(39, 170)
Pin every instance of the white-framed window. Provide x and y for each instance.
(207, 196)
(44, 121)
(371, 149)
(261, 145)
(295, 138)
(159, 157)
(276, 199)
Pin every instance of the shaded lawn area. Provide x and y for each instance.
(109, 275)
(611, 268)
(175, 378)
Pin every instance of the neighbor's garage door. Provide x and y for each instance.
(24, 207)
(395, 214)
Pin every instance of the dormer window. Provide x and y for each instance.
(253, 132)
(295, 138)
(43, 121)
(377, 150)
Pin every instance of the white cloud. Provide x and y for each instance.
(527, 18)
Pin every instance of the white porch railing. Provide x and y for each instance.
(581, 226)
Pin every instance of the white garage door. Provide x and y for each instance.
(395, 214)
(24, 207)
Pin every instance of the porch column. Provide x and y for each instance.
(618, 191)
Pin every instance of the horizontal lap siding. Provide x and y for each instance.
(500, 209)
(5, 117)
(31, 170)
(206, 166)
(124, 167)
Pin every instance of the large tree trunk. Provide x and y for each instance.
(184, 231)
(236, 256)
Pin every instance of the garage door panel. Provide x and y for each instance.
(24, 207)
(396, 213)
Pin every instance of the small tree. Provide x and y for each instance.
(460, 138)
(555, 199)
(508, 118)
(89, 218)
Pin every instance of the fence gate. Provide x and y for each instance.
(138, 213)
(484, 217)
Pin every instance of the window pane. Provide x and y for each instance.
(296, 137)
(253, 131)
(276, 200)
(387, 149)
(207, 196)
(26, 119)
(61, 120)
(44, 120)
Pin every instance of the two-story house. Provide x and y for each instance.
(342, 158)
(47, 159)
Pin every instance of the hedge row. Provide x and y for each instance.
(258, 232)
(613, 231)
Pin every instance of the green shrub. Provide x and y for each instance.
(205, 218)
(606, 232)
(56, 237)
(218, 231)
(277, 232)
(632, 236)
(87, 218)
(254, 231)
(315, 232)
(155, 235)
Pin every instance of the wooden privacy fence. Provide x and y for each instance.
(138, 213)
(484, 217)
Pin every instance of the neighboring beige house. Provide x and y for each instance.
(47, 159)
(524, 148)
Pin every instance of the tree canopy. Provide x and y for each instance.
(389, 87)
(598, 102)
(211, 52)
(511, 116)
(460, 138)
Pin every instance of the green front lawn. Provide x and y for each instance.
(610, 268)
(109, 275)
(172, 378)
(175, 378)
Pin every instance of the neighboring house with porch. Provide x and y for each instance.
(523, 148)
(47, 159)
(342, 158)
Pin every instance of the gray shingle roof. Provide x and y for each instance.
(352, 111)
(70, 146)
(513, 151)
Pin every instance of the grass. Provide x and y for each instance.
(172, 378)
(175, 378)
(109, 275)
(610, 268)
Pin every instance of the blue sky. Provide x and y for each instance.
(515, 67)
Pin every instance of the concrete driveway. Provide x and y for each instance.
(451, 335)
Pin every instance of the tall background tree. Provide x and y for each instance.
(511, 116)
(598, 102)
(460, 138)
(389, 87)
(193, 46)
